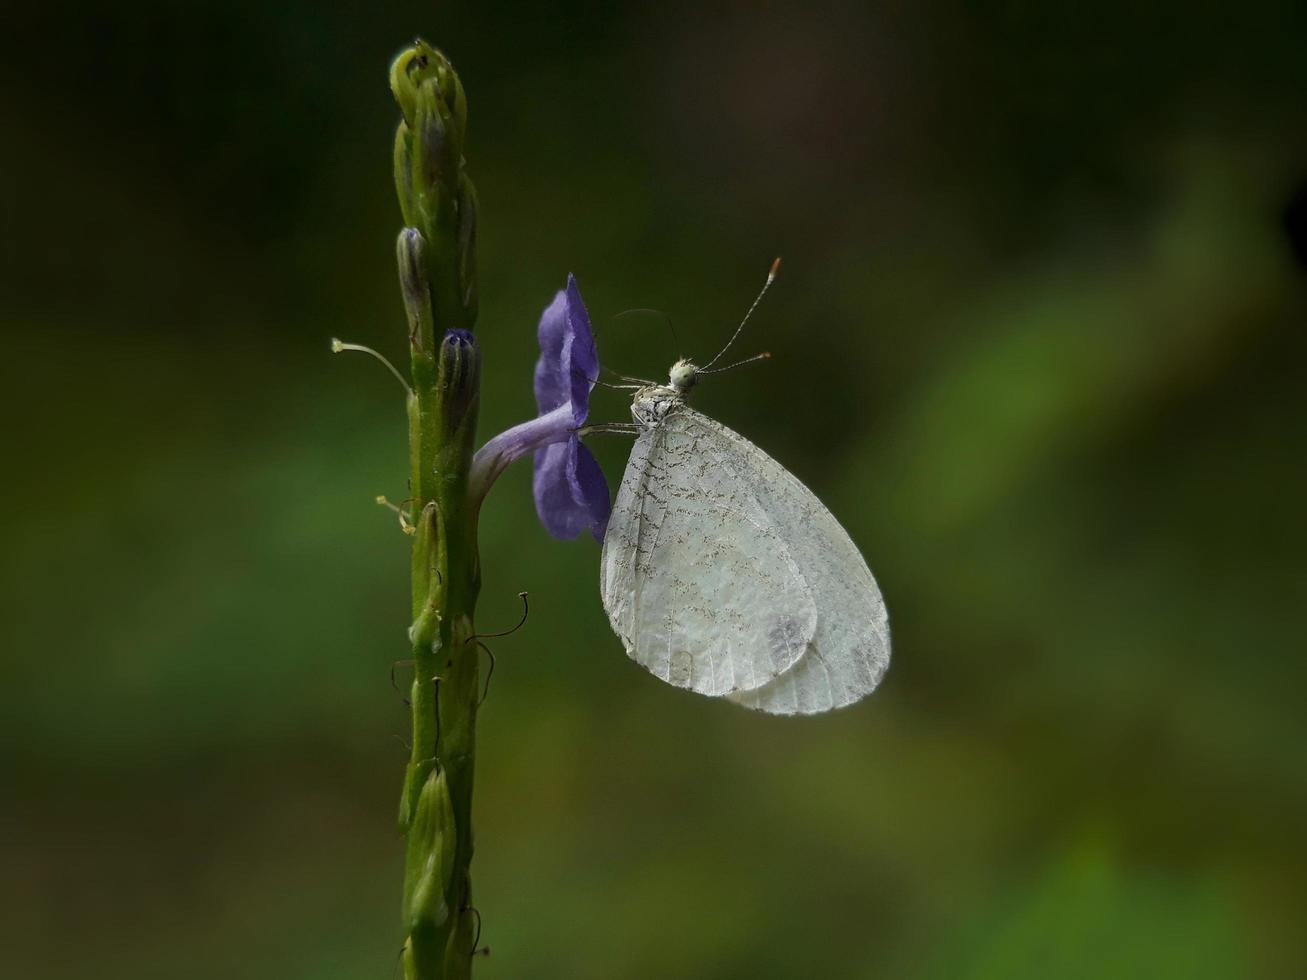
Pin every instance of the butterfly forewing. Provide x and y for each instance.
(698, 579)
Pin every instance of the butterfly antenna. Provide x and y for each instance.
(771, 277)
(765, 355)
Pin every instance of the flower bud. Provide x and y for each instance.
(459, 382)
(437, 150)
(429, 143)
(414, 284)
(435, 195)
(404, 190)
(429, 862)
(451, 89)
(401, 82)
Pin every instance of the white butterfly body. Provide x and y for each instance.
(724, 574)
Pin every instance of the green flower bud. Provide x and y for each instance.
(404, 188)
(402, 85)
(455, 99)
(437, 150)
(459, 382)
(418, 64)
(429, 859)
(415, 285)
(435, 195)
(429, 143)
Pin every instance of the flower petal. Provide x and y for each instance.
(568, 360)
(584, 367)
(590, 487)
(571, 493)
(551, 386)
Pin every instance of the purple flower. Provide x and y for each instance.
(570, 491)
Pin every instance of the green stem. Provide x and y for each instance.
(437, 277)
(444, 696)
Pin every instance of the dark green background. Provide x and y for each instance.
(1038, 342)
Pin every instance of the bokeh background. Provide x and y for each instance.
(1038, 341)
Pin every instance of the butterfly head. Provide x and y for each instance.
(683, 376)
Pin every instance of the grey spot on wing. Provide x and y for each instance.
(698, 581)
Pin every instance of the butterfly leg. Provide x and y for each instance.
(605, 384)
(615, 428)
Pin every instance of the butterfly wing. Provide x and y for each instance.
(850, 649)
(698, 581)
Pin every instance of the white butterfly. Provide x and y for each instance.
(722, 573)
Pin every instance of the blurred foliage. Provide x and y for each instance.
(1038, 341)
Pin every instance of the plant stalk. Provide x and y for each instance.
(437, 279)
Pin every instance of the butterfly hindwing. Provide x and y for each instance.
(850, 649)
